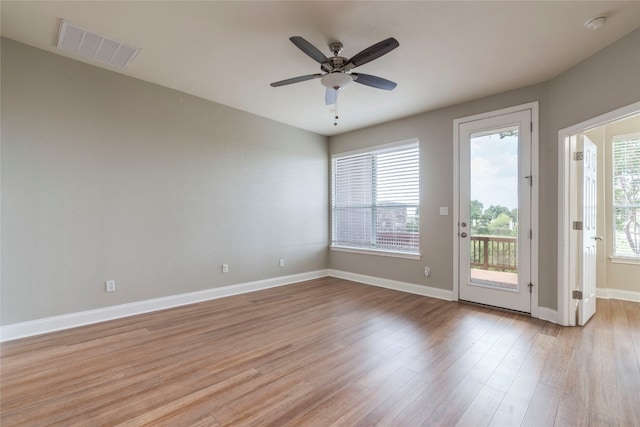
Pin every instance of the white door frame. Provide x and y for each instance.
(533, 106)
(565, 276)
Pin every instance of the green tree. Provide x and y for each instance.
(514, 215)
(493, 212)
(413, 222)
(495, 220)
(508, 133)
(501, 225)
(477, 210)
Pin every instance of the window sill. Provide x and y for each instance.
(623, 260)
(378, 252)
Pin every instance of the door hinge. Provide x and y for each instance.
(531, 126)
(577, 294)
(530, 234)
(530, 285)
(530, 178)
(578, 155)
(577, 225)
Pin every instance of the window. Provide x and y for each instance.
(375, 199)
(626, 196)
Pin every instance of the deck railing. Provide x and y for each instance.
(397, 239)
(494, 253)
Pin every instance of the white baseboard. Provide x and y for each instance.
(394, 284)
(543, 313)
(609, 293)
(72, 320)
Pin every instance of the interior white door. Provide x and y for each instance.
(586, 161)
(494, 224)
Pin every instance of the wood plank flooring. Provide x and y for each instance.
(328, 352)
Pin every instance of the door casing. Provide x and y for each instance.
(533, 106)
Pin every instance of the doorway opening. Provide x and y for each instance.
(616, 233)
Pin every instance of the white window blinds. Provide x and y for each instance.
(375, 199)
(626, 196)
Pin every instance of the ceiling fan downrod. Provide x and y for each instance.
(336, 48)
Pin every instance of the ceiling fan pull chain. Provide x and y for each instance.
(335, 111)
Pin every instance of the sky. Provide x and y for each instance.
(494, 170)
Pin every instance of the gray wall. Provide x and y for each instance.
(108, 177)
(608, 80)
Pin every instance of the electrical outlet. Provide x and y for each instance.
(427, 271)
(225, 268)
(281, 262)
(110, 286)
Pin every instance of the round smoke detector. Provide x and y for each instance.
(595, 23)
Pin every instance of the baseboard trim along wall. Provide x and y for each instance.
(411, 288)
(609, 293)
(57, 323)
(67, 321)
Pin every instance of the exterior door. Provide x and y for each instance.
(585, 161)
(494, 224)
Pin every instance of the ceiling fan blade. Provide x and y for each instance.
(330, 96)
(374, 52)
(296, 80)
(373, 81)
(309, 49)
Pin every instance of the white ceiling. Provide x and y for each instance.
(229, 51)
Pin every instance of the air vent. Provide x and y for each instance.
(78, 40)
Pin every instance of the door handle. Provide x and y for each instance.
(463, 224)
(597, 238)
(463, 234)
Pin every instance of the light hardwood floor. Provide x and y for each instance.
(328, 352)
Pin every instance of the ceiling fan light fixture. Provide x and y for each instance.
(336, 80)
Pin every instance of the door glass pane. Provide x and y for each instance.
(494, 208)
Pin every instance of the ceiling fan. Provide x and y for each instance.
(335, 72)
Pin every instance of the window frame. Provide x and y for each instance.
(388, 252)
(614, 257)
